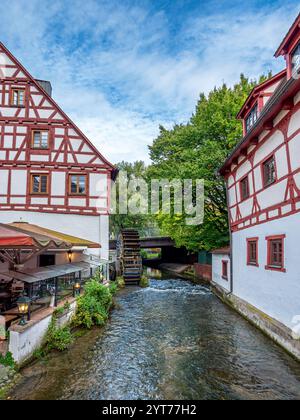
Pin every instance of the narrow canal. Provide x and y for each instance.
(173, 340)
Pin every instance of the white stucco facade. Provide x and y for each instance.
(217, 274)
(275, 293)
(269, 211)
(25, 340)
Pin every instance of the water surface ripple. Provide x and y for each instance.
(173, 340)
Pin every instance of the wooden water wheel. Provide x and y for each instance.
(129, 256)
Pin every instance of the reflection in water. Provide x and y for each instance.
(173, 340)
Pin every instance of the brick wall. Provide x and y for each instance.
(203, 271)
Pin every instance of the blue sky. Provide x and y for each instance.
(121, 68)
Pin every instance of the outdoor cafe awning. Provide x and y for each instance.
(12, 237)
(9, 237)
(47, 273)
(56, 237)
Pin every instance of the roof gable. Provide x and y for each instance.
(48, 110)
(291, 37)
(261, 89)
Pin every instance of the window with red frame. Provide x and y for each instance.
(269, 172)
(18, 97)
(252, 118)
(225, 270)
(244, 185)
(253, 252)
(276, 253)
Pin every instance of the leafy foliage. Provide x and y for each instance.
(113, 288)
(7, 360)
(144, 282)
(144, 223)
(58, 338)
(120, 282)
(196, 151)
(93, 306)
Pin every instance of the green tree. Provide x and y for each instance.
(144, 223)
(197, 150)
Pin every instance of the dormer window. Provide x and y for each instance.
(252, 118)
(296, 59)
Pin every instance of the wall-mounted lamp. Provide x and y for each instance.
(70, 254)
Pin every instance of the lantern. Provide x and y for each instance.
(77, 287)
(23, 305)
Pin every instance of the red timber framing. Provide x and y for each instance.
(69, 151)
(289, 203)
(259, 96)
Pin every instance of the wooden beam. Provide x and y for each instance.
(244, 152)
(254, 140)
(288, 104)
(268, 125)
(34, 253)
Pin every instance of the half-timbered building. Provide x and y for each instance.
(263, 184)
(50, 173)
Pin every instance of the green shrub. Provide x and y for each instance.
(113, 288)
(144, 281)
(93, 307)
(101, 293)
(120, 282)
(58, 338)
(7, 360)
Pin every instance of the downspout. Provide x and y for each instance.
(230, 239)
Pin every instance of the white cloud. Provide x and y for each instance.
(119, 72)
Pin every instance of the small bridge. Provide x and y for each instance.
(149, 243)
(169, 252)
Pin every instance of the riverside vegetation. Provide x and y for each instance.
(92, 310)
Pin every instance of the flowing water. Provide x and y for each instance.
(173, 340)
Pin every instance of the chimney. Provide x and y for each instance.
(45, 85)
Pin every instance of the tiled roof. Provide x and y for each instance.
(222, 251)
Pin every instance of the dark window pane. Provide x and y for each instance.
(252, 118)
(296, 59)
(74, 184)
(276, 250)
(245, 188)
(269, 172)
(36, 184)
(81, 188)
(253, 252)
(44, 180)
